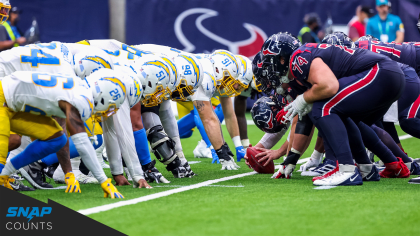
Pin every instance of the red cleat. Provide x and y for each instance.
(326, 175)
(396, 169)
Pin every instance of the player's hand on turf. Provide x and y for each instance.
(267, 155)
(240, 153)
(120, 180)
(229, 164)
(311, 163)
(143, 184)
(72, 183)
(110, 190)
(298, 107)
(215, 157)
(284, 172)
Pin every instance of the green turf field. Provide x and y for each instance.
(256, 204)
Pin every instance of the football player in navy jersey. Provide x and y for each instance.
(342, 83)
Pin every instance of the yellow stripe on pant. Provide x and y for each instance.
(23, 123)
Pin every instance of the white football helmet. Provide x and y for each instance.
(85, 63)
(246, 76)
(173, 78)
(190, 75)
(132, 84)
(108, 91)
(226, 71)
(154, 75)
(4, 10)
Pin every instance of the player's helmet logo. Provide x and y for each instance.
(264, 114)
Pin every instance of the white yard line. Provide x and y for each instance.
(111, 206)
(179, 186)
(407, 136)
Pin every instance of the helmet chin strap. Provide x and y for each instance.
(285, 79)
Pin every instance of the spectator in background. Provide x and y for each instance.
(385, 26)
(311, 31)
(10, 36)
(357, 26)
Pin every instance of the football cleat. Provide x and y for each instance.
(324, 167)
(313, 162)
(34, 174)
(417, 160)
(151, 174)
(380, 165)
(201, 150)
(327, 174)
(4, 181)
(396, 169)
(369, 172)
(18, 186)
(370, 155)
(413, 167)
(189, 173)
(284, 172)
(345, 176)
(104, 155)
(49, 171)
(414, 181)
(85, 179)
(16, 177)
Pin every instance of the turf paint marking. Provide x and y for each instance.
(179, 186)
(193, 162)
(407, 136)
(324, 187)
(111, 206)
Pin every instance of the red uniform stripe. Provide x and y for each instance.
(414, 108)
(340, 96)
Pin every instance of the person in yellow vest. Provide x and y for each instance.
(311, 31)
(10, 35)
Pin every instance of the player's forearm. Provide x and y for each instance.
(230, 117)
(63, 155)
(211, 123)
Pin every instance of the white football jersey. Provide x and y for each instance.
(52, 57)
(207, 88)
(113, 45)
(154, 48)
(40, 92)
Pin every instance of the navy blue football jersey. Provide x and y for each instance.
(403, 53)
(341, 60)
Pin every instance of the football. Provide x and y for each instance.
(251, 153)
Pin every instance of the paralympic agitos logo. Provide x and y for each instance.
(28, 218)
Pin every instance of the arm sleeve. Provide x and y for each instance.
(270, 140)
(88, 155)
(112, 151)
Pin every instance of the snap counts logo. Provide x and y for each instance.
(21, 218)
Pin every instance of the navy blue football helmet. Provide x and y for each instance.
(264, 113)
(260, 74)
(338, 38)
(367, 38)
(280, 45)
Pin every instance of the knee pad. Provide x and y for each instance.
(304, 126)
(163, 147)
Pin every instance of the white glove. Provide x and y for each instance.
(298, 107)
(229, 165)
(313, 162)
(284, 172)
(94, 140)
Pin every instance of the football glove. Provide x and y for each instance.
(215, 157)
(298, 107)
(226, 158)
(110, 190)
(240, 153)
(311, 163)
(284, 172)
(72, 183)
(281, 117)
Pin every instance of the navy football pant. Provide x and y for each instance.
(362, 97)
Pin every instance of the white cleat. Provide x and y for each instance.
(201, 150)
(86, 179)
(104, 165)
(346, 175)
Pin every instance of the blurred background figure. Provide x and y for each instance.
(385, 26)
(311, 31)
(32, 34)
(357, 25)
(10, 35)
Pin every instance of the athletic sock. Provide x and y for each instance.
(142, 147)
(390, 143)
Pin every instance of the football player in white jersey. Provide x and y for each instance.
(31, 98)
(53, 57)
